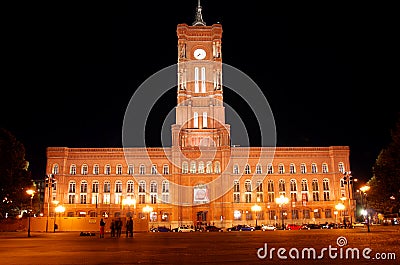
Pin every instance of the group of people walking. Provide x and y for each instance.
(116, 227)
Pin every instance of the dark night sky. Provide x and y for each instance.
(325, 71)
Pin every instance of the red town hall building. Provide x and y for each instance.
(201, 178)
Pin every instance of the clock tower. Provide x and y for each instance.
(200, 114)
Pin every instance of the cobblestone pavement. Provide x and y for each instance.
(269, 247)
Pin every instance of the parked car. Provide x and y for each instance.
(314, 226)
(185, 229)
(240, 228)
(160, 229)
(330, 226)
(268, 228)
(246, 228)
(358, 224)
(213, 228)
(293, 227)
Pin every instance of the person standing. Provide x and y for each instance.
(129, 227)
(102, 225)
(112, 227)
(118, 227)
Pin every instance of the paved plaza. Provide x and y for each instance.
(270, 247)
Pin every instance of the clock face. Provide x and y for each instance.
(199, 54)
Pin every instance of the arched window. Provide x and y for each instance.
(341, 167)
(208, 167)
(304, 185)
(281, 169)
(281, 185)
(96, 169)
(303, 168)
(217, 167)
(119, 170)
(258, 169)
(236, 169)
(292, 169)
(84, 170)
(72, 170)
(201, 167)
(247, 169)
(193, 167)
(293, 185)
(55, 169)
(205, 121)
(185, 166)
(130, 169)
(195, 120)
(247, 190)
(153, 192)
(203, 80)
(270, 169)
(84, 185)
(324, 168)
(107, 170)
(314, 168)
(142, 169)
(196, 80)
(271, 193)
(130, 186)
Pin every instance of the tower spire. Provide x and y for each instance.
(199, 17)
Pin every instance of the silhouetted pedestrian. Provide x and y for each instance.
(102, 225)
(118, 227)
(129, 227)
(112, 227)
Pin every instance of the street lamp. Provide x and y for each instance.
(129, 201)
(340, 207)
(282, 200)
(364, 190)
(59, 209)
(256, 208)
(30, 193)
(148, 209)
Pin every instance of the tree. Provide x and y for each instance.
(385, 185)
(15, 177)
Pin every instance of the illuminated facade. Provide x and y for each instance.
(201, 178)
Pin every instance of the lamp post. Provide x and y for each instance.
(30, 193)
(59, 209)
(148, 209)
(256, 208)
(339, 207)
(50, 180)
(348, 180)
(55, 215)
(282, 200)
(364, 190)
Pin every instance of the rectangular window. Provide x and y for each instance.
(95, 187)
(260, 197)
(326, 196)
(165, 197)
(95, 198)
(205, 122)
(83, 198)
(165, 169)
(106, 198)
(306, 214)
(328, 213)
(271, 197)
(71, 198)
(153, 198)
(236, 197)
(142, 198)
(248, 197)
